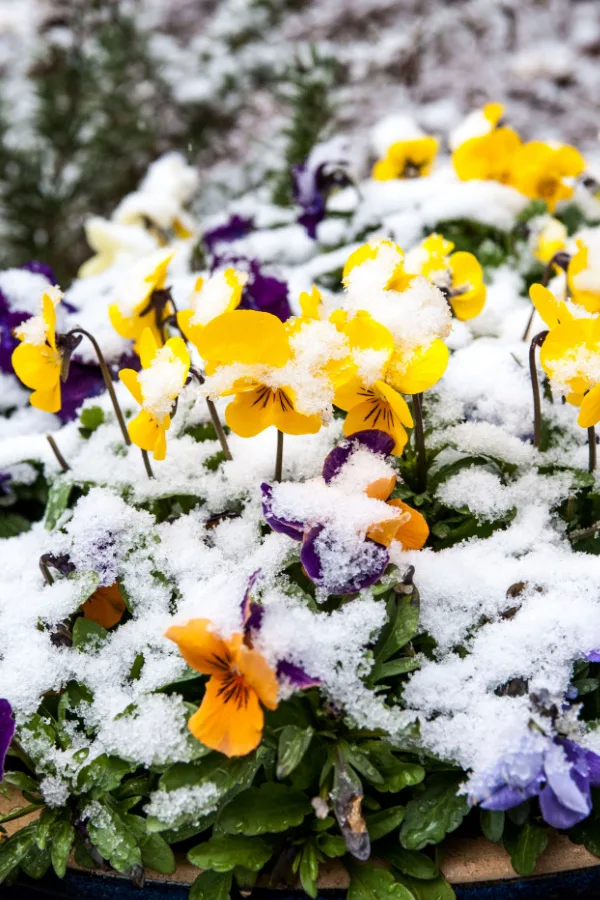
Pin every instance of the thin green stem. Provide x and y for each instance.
(214, 415)
(107, 381)
(61, 460)
(537, 341)
(279, 456)
(592, 448)
(420, 443)
(146, 459)
(23, 811)
(45, 571)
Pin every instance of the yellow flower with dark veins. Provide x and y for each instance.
(136, 308)
(376, 407)
(230, 718)
(155, 388)
(217, 294)
(570, 356)
(246, 352)
(459, 275)
(538, 171)
(488, 157)
(37, 360)
(407, 159)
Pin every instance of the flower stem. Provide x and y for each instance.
(61, 460)
(214, 415)
(420, 443)
(592, 448)
(146, 459)
(537, 341)
(107, 381)
(279, 456)
(45, 571)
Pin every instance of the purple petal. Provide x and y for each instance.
(557, 815)
(296, 675)
(376, 441)
(593, 655)
(84, 381)
(506, 797)
(566, 770)
(312, 182)
(341, 565)
(593, 764)
(40, 268)
(9, 320)
(293, 529)
(7, 729)
(252, 612)
(266, 294)
(235, 228)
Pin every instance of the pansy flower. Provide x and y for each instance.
(476, 124)
(235, 228)
(343, 520)
(583, 272)
(231, 718)
(141, 301)
(163, 375)
(113, 242)
(247, 355)
(219, 293)
(538, 170)
(459, 275)
(549, 239)
(266, 293)
(106, 606)
(570, 356)
(7, 730)
(314, 180)
(488, 157)
(37, 360)
(410, 158)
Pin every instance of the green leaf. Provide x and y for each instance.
(588, 834)
(104, 774)
(436, 889)
(12, 524)
(293, 744)
(91, 417)
(114, 840)
(157, 855)
(332, 845)
(223, 852)
(308, 869)
(14, 849)
(404, 625)
(87, 634)
(397, 774)
(525, 848)
(433, 813)
(387, 820)
(268, 809)
(22, 781)
(369, 883)
(58, 499)
(45, 826)
(412, 862)
(492, 824)
(211, 886)
(395, 667)
(361, 762)
(36, 862)
(63, 837)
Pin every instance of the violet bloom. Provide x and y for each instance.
(313, 181)
(265, 293)
(557, 771)
(337, 562)
(7, 729)
(235, 228)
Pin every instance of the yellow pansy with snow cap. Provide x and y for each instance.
(112, 242)
(155, 388)
(570, 356)
(488, 157)
(219, 293)
(459, 275)
(141, 301)
(538, 170)
(583, 272)
(250, 355)
(37, 361)
(409, 158)
(477, 124)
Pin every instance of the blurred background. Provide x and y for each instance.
(92, 91)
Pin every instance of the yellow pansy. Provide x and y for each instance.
(110, 241)
(570, 356)
(389, 276)
(219, 293)
(375, 407)
(407, 159)
(155, 388)
(413, 371)
(37, 360)
(493, 112)
(538, 171)
(459, 274)
(583, 279)
(134, 310)
(258, 340)
(488, 157)
(550, 239)
(552, 310)
(311, 303)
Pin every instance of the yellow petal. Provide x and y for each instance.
(468, 305)
(366, 333)
(129, 377)
(310, 304)
(288, 420)
(493, 112)
(589, 413)
(37, 366)
(179, 350)
(397, 403)
(245, 336)
(160, 447)
(551, 310)
(425, 368)
(49, 315)
(148, 348)
(251, 412)
(487, 157)
(48, 400)
(144, 430)
(230, 719)
(201, 648)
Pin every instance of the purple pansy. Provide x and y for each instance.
(558, 771)
(314, 179)
(235, 228)
(338, 563)
(266, 293)
(7, 729)
(40, 268)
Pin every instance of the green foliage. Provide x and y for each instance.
(211, 886)
(267, 809)
(434, 812)
(525, 845)
(293, 744)
(58, 500)
(492, 824)
(369, 883)
(87, 634)
(223, 852)
(91, 418)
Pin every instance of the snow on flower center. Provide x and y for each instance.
(161, 382)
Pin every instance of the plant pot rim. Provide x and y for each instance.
(466, 860)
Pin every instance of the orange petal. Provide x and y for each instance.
(381, 489)
(230, 718)
(385, 532)
(413, 532)
(259, 675)
(201, 648)
(105, 607)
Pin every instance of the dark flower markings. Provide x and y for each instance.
(266, 396)
(234, 689)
